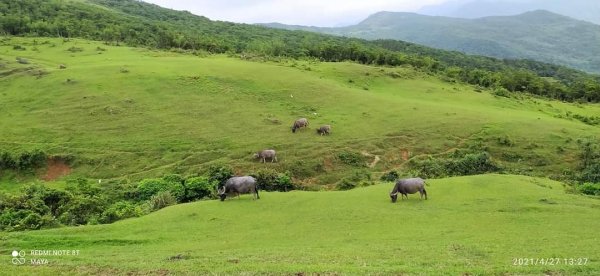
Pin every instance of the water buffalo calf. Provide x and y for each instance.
(302, 122)
(266, 154)
(324, 130)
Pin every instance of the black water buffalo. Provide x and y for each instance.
(266, 154)
(302, 122)
(324, 130)
(239, 185)
(408, 186)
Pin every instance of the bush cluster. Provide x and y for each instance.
(22, 161)
(458, 164)
(84, 202)
(589, 168)
(590, 188)
(352, 158)
(271, 180)
(358, 178)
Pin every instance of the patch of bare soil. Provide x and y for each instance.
(56, 168)
(404, 154)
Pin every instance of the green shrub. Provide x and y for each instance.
(117, 211)
(591, 173)
(589, 188)
(150, 187)
(471, 164)
(176, 185)
(82, 186)
(271, 180)
(429, 168)
(32, 221)
(501, 92)
(355, 179)
(219, 173)
(390, 176)
(7, 161)
(30, 160)
(161, 200)
(82, 210)
(198, 188)
(174, 178)
(590, 161)
(284, 182)
(18, 220)
(10, 219)
(54, 199)
(468, 164)
(266, 179)
(345, 184)
(352, 158)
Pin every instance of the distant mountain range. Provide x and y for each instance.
(538, 35)
(588, 10)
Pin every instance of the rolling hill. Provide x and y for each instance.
(538, 35)
(177, 112)
(478, 225)
(136, 92)
(140, 24)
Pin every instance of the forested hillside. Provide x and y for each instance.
(538, 35)
(140, 24)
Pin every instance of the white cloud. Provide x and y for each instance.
(304, 12)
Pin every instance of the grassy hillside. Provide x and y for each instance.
(470, 225)
(538, 35)
(139, 24)
(130, 113)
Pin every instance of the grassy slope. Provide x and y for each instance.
(474, 225)
(163, 113)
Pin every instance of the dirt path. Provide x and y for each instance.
(376, 159)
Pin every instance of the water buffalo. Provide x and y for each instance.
(302, 122)
(239, 185)
(266, 154)
(324, 130)
(408, 186)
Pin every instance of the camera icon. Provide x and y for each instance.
(18, 257)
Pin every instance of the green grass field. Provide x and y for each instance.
(131, 113)
(469, 226)
(172, 112)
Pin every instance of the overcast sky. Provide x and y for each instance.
(323, 13)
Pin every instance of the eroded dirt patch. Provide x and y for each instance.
(57, 168)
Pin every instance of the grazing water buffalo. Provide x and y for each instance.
(302, 122)
(239, 185)
(324, 130)
(266, 154)
(408, 186)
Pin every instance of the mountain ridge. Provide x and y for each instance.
(580, 9)
(539, 35)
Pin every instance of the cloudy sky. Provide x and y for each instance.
(324, 13)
